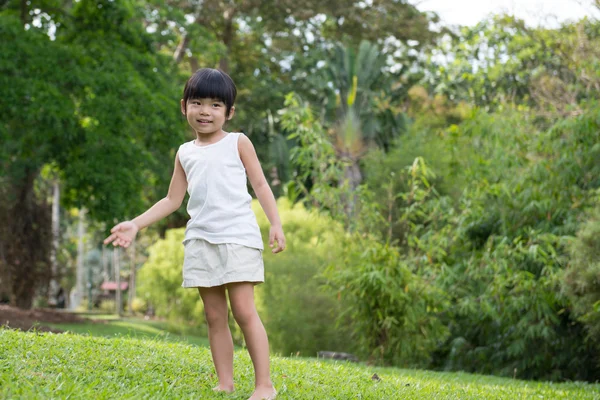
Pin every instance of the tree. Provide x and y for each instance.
(355, 94)
(501, 60)
(260, 42)
(97, 103)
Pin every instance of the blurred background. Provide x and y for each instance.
(436, 164)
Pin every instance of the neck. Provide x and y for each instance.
(203, 138)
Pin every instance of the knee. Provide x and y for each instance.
(244, 315)
(215, 316)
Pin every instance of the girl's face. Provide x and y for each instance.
(206, 116)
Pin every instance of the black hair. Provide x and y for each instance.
(212, 84)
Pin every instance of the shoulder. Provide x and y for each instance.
(244, 144)
(243, 141)
(184, 145)
(246, 149)
(183, 150)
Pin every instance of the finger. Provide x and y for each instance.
(271, 239)
(109, 239)
(116, 228)
(278, 249)
(112, 238)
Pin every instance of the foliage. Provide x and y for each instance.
(160, 281)
(392, 307)
(498, 250)
(108, 306)
(493, 249)
(481, 206)
(314, 154)
(139, 306)
(25, 85)
(71, 86)
(582, 275)
(87, 367)
(298, 312)
(500, 60)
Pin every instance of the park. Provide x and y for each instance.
(438, 185)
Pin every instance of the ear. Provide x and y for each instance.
(231, 112)
(182, 107)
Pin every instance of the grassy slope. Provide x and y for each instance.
(82, 367)
(133, 327)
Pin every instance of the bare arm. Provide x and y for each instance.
(123, 233)
(168, 204)
(263, 191)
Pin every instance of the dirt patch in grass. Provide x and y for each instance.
(25, 320)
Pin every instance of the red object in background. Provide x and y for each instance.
(113, 286)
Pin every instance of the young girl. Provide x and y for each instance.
(223, 245)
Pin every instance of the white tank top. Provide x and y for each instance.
(219, 205)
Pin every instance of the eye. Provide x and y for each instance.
(216, 105)
(196, 102)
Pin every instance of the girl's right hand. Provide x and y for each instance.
(122, 234)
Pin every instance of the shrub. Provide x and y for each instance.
(299, 313)
(582, 276)
(160, 281)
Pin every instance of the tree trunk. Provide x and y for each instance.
(228, 33)
(53, 286)
(117, 266)
(24, 12)
(26, 239)
(180, 51)
(194, 64)
(105, 276)
(354, 177)
(132, 273)
(80, 273)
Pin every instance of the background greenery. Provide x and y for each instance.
(440, 188)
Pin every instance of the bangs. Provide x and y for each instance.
(210, 83)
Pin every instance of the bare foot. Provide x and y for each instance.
(224, 388)
(264, 393)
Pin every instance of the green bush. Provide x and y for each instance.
(108, 306)
(395, 311)
(494, 246)
(299, 313)
(139, 306)
(582, 276)
(160, 281)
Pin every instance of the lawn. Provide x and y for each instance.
(112, 326)
(45, 365)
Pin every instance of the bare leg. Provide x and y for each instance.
(219, 335)
(241, 297)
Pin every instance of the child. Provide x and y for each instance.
(223, 245)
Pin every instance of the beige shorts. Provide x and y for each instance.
(207, 264)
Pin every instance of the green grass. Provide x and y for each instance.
(112, 326)
(42, 365)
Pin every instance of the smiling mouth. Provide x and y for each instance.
(204, 121)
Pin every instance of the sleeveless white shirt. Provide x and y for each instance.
(219, 205)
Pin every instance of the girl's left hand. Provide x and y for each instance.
(276, 235)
